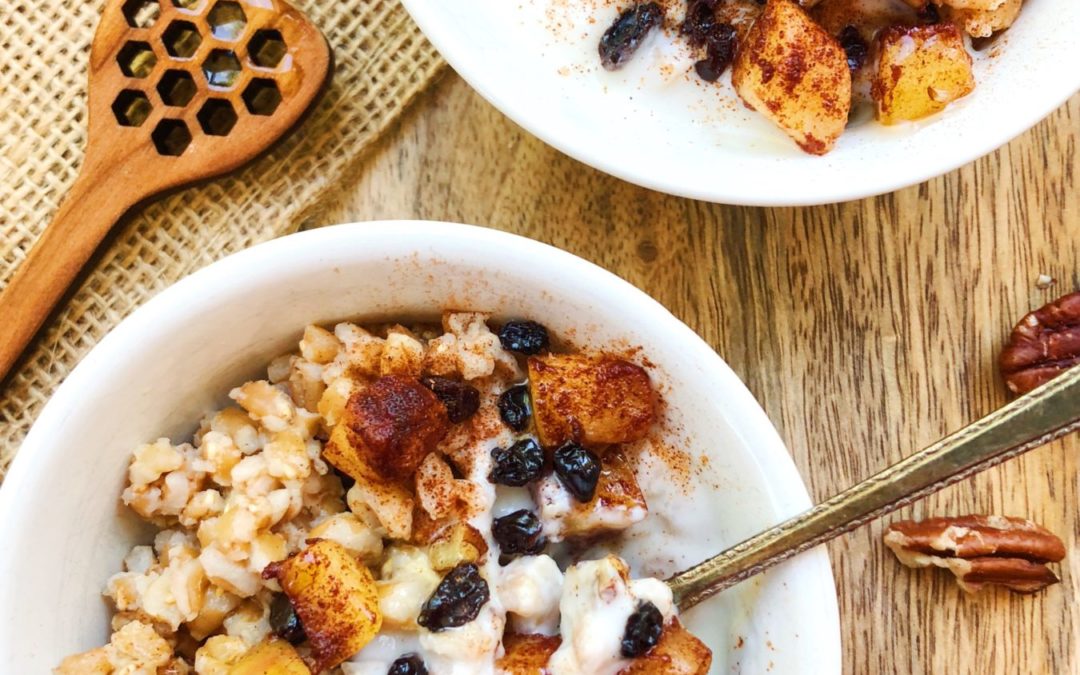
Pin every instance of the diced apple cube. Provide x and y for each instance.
(793, 72)
(335, 597)
(591, 399)
(921, 69)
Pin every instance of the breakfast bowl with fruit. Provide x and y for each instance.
(401, 448)
(766, 102)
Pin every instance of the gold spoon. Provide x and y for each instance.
(1044, 415)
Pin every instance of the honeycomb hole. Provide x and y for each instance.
(176, 88)
(227, 20)
(136, 59)
(266, 48)
(262, 97)
(171, 138)
(131, 108)
(221, 68)
(217, 117)
(141, 13)
(181, 39)
(193, 6)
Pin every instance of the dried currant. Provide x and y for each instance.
(347, 481)
(410, 664)
(518, 465)
(1043, 345)
(457, 599)
(854, 46)
(623, 38)
(514, 407)
(719, 52)
(519, 533)
(643, 630)
(929, 13)
(578, 469)
(461, 400)
(699, 22)
(284, 621)
(524, 337)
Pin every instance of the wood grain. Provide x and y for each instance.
(867, 330)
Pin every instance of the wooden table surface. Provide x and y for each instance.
(867, 330)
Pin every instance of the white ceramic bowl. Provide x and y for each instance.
(662, 128)
(64, 532)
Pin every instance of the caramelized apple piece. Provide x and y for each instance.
(527, 654)
(921, 69)
(677, 653)
(272, 657)
(591, 399)
(334, 596)
(389, 427)
(985, 22)
(454, 544)
(617, 504)
(794, 73)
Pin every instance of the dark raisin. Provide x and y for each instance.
(623, 38)
(643, 630)
(461, 400)
(719, 53)
(347, 481)
(410, 664)
(518, 465)
(519, 533)
(854, 46)
(456, 601)
(523, 337)
(514, 407)
(699, 22)
(929, 13)
(578, 469)
(284, 621)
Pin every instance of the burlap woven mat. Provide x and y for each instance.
(382, 63)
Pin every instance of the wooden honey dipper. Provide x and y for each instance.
(180, 91)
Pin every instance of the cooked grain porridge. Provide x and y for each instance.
(395, 500)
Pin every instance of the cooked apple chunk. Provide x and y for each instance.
(454, 544)
(677, 653)
(921, 69)
(984, 22)
(335, 597)
(794, 73)
(590, 399)
(527, 654)
(272, 657)
(387, 430)
(617, 504)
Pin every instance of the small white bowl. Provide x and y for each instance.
(654, 123)
(64, 531)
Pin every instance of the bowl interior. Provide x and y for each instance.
(654, 123)
(177, 357)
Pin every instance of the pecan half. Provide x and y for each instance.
(1043, 345)
(980, 550)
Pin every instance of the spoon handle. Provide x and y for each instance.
(1048, 413)
(90, 210)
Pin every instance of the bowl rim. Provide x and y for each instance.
(784, 486)
(1027, 111)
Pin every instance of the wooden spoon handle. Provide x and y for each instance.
(85, 217)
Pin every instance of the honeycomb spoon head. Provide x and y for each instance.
(182, 90)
